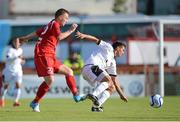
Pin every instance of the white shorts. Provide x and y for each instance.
(12, 77)
(93, 74)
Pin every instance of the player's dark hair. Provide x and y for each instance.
(12, 40)
(118, 44)
(61, 11)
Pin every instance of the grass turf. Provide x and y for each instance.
(137, 109)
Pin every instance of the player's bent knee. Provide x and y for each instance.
(111, 89)
(65, 70)
(18, 85)
(49, 80)
(70, 72)
(107, 79)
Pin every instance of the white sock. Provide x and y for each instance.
(3, 93)
(104, 96)
(99, 89)
(17, 94)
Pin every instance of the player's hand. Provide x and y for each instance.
(22, 40)
(22, 59)
(80, 35)
(124, 98)
(73, 27)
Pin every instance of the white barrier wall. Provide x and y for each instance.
(147, 52)
(133, 85)
(58, 89)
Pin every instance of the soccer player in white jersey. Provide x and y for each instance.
(12, 73)
(100, 71)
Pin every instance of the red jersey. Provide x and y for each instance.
(48, 39)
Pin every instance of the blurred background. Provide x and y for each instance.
(138, 23)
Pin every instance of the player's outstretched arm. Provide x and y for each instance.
(118, 89)
(27, 37)
(68, 32)
(87, 37)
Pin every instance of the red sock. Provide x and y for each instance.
(71, 84)
(42, 90)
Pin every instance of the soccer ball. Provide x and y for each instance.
(156, 101)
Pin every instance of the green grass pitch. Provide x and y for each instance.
(137, 109)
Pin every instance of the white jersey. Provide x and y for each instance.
(13, 62)
(104, 58)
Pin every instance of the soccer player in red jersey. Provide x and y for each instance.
(44, 56)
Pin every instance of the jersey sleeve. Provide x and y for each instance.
(105, 46)
(39, 31)
(56, 30)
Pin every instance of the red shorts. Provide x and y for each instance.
(46, 65)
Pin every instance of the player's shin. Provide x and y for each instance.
(42, 90)
(17, 95)
(104, 96)
(99, 89)
(3, 93)
(2, 97)
(71, 84)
